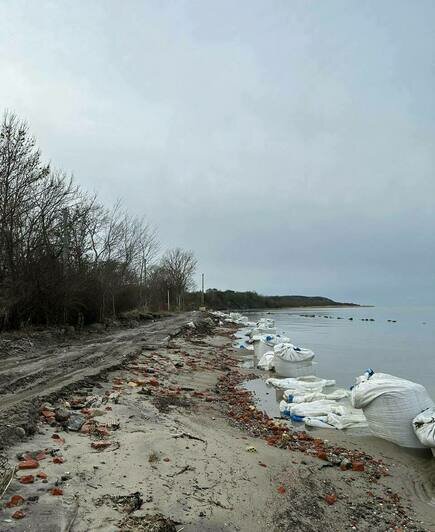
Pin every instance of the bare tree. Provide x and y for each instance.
(179, 267)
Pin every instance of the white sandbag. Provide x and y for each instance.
(318, 422)
(300, 389)
(284, 406)
(323, 407)
(290, 353)
(313, 409)
(390, 404)
(303, 384)
(307, 397)
(424, 427)
(293, 369)
(234, 317)
(292, 361)
(266, 362)
(266, 342)
(350, 419)
(258, 332)
(265, 323)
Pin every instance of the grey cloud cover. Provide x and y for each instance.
(289, 143)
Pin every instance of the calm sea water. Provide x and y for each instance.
(345, 348)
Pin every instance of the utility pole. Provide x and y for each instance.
(169, 305)
(202, 289)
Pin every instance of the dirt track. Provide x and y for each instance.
(29, 375)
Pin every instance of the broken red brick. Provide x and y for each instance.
(166, 460)
(102, 430)
(153, 382)
(357, 466)
(42, 475)
(56, 491)
(28, 464)
(87, 428)
(281, 489)
(18, 514)
(58, 460)
(27, 479)
(322, 455)
(108, 408)
(48, 414)
(100, 444)
(41, 456)
(58, 437)
(15, 500)
(331, 499)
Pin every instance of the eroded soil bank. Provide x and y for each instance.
(170, 441)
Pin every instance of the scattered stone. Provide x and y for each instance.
(75, 422)
(126, 503)
(62, 414)
(20, 432)
(345, 464)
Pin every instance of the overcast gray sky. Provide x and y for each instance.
(289, 143)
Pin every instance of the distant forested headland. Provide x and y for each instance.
(229, 299)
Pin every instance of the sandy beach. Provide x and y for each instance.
(169, 440)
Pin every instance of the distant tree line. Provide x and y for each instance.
(229, 299)
(65, 257)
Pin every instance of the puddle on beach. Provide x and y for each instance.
(266, 398)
